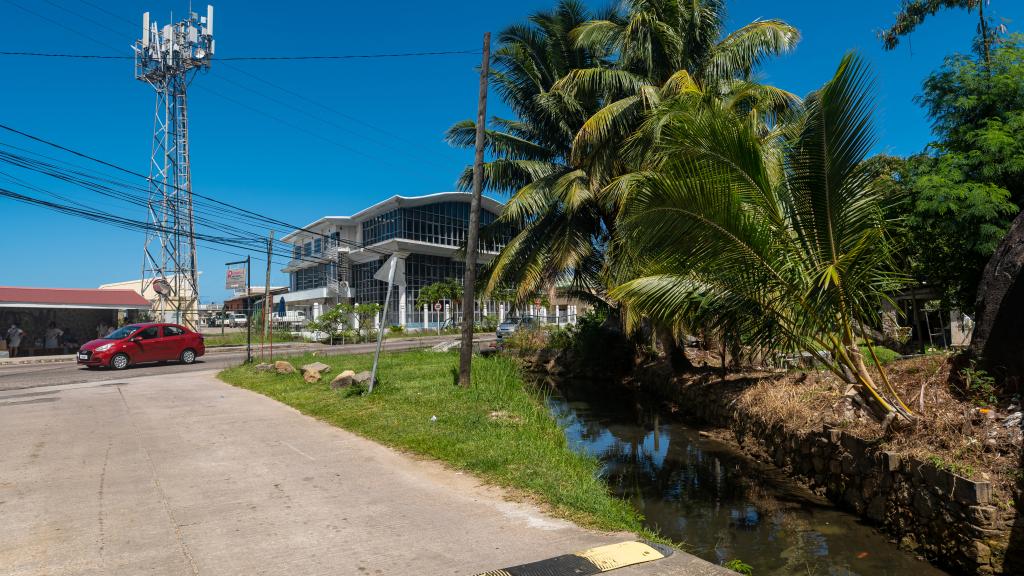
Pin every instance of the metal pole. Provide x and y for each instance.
(383, 319)
(469, 289)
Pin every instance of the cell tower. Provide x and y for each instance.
(167, 59)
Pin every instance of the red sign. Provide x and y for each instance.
(437, 306)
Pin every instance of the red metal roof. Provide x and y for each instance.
(71, 297)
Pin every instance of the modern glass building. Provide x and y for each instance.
(335, 258)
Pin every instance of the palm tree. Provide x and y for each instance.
(785, 241)
(658, 38)
(914, 12)
(531, 156)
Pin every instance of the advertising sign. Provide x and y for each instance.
(235, 279)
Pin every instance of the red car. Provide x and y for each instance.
(139, 343)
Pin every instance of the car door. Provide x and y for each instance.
(147, 347)
(173, 342)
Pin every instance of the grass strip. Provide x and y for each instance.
(498, 429)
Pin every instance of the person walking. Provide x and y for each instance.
(14, 336)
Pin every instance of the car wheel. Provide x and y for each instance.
(119, 361)
(188, 356)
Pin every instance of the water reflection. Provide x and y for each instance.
(719, 503)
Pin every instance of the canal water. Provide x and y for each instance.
(720, 503)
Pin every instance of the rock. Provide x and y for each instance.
(310, 376)
(344, 379)
(264, 367)
(1013, 419)
(361, 377)
(283, 367)
(318, 366)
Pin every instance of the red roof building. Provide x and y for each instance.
(79, 298)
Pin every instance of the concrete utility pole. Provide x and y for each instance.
(472, 237)
(266, 298)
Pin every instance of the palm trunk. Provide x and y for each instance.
(671, 350)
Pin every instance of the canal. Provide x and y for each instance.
(720, 503)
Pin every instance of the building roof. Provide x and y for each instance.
(16, 297)
(397, 201)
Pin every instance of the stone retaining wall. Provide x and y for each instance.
(949, 519)
(952, 521)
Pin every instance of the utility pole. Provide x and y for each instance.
(472, 237)
(266, 298)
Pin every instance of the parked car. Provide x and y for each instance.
(511, 324)
(235, 319)
(141, 343)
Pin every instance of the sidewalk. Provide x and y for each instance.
(183, 475)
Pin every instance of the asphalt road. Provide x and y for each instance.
(14, 377)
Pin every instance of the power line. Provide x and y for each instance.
(255, 215)
(242, 58)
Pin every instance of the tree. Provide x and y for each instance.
(914, 12)
(365, 314)
(531, 155)
(998, 339)
(791, 249)
(337, 319)
(448, 289)
(965, 189)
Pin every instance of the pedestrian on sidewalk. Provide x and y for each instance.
(14, 336)
(51, 338)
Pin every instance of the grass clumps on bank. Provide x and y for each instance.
(216, 339)
(498, 429)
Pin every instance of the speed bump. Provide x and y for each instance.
(592, 561)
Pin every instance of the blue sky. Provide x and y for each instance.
(364, 129)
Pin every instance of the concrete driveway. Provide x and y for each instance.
(181, 474)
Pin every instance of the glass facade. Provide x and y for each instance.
(368, 289)
(442, 223)
(313, 277)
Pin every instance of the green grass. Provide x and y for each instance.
(214, 339)
(523, 448)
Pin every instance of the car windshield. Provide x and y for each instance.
(122, 332)
(510, 323)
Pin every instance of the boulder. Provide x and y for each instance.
(344, 379)
(264, 367)
(318, 366)
(284, 367)
(311, 376)
(362, 377)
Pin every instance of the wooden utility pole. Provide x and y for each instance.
(472, 237)
(266, 296)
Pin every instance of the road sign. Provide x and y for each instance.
(235, 279)
(437, 306)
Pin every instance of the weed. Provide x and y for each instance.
(979, 385)
(739, 566)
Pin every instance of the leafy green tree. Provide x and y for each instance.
(366, 313)
(799, 242)
(448, 289)
(336, 320)
(914, 12)
(963, 192)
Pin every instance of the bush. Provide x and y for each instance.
(396, 329)
(885, 355)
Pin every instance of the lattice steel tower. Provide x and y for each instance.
(167, 59)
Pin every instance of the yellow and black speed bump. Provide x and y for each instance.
(587, 562)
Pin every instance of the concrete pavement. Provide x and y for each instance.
(180, 474)
(20, 376)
